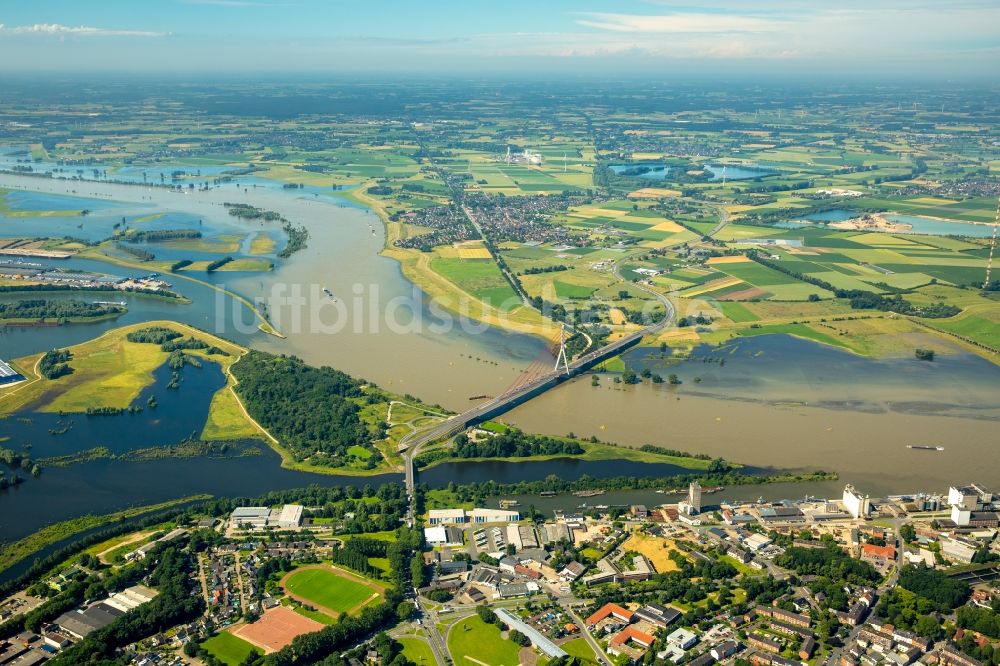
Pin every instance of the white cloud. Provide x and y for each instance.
(680, 23)
(62, 30)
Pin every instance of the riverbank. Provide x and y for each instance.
(554, 486)
(13, 553)
(593, 451)
(416, 267)
(58, 321)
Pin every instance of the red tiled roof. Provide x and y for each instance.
(607, 610)
(632, 633)
(884, 552)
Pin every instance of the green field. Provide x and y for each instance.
(580, 648)
(229, 649)
(417, 651)
(737, 312)
(479, 277)
(474, 638)
(322, 618)
(328, 589)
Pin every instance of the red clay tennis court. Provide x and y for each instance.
(276, 628)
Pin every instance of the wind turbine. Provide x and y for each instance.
(723, 175)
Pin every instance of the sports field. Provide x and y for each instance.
(276, 628)
(333, 591)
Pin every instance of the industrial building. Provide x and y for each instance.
(79, 623)
(289, 517)
(478, 516)
(252, 517)
(973, 506)
(443, 536)
(856, 504)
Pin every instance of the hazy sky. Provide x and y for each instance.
(842, 38)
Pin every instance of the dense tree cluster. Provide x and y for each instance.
(830, 562)
(537, 270)
(33, 309)
(308, 409)
(248, 212)
(55, 363)
(945, 592)
(984, 620)
(137, 252)
(909, 611)
(297, 237)
(155, 335)
(13, 458)
(355, 553)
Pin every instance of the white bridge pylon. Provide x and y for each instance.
(561, 356)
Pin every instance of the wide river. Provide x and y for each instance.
(779, 403)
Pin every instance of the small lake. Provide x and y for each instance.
(734, 172)
(931, 227)
(661, 171)
(918, 225)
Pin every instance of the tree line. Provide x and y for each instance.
(157, 235)
(34, 309)
(514, 444)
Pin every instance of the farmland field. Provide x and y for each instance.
(479, 277)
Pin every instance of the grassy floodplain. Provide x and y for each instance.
(110, 371)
